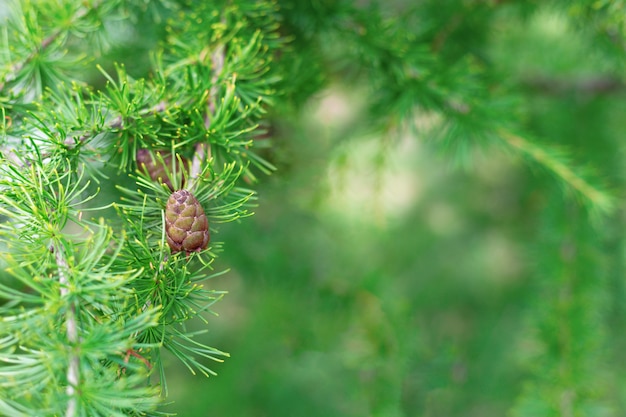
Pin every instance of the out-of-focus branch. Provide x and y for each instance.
(543, 156)
(593, 86)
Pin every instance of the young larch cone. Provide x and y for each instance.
(186, 225)
(158, 170)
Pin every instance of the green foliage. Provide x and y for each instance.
(489, 292)
(88, 310)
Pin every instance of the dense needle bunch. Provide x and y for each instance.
(87, 311)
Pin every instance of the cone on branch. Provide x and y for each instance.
(158, 170)
(186, 225)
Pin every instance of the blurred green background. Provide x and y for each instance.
(355, 293)
(379, 278)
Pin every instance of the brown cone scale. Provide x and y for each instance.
(158, 170)
(186, 225)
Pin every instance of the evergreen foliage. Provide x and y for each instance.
(93, 302)
(159, 96)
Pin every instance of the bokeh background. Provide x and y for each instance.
(381, 276)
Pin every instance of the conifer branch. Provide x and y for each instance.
(203, 150)
(132, 296)
(591, 86)
(599, 200)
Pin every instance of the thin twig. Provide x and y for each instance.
(203, 150)
(217, 59)
(592, 86)
(116, 123)
(71, 332)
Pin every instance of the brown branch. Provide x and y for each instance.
(446, 31)
(592, 86)
(203, 150)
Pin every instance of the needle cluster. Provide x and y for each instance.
(96, 285)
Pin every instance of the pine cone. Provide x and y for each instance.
(186, 225)
(158, 170)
